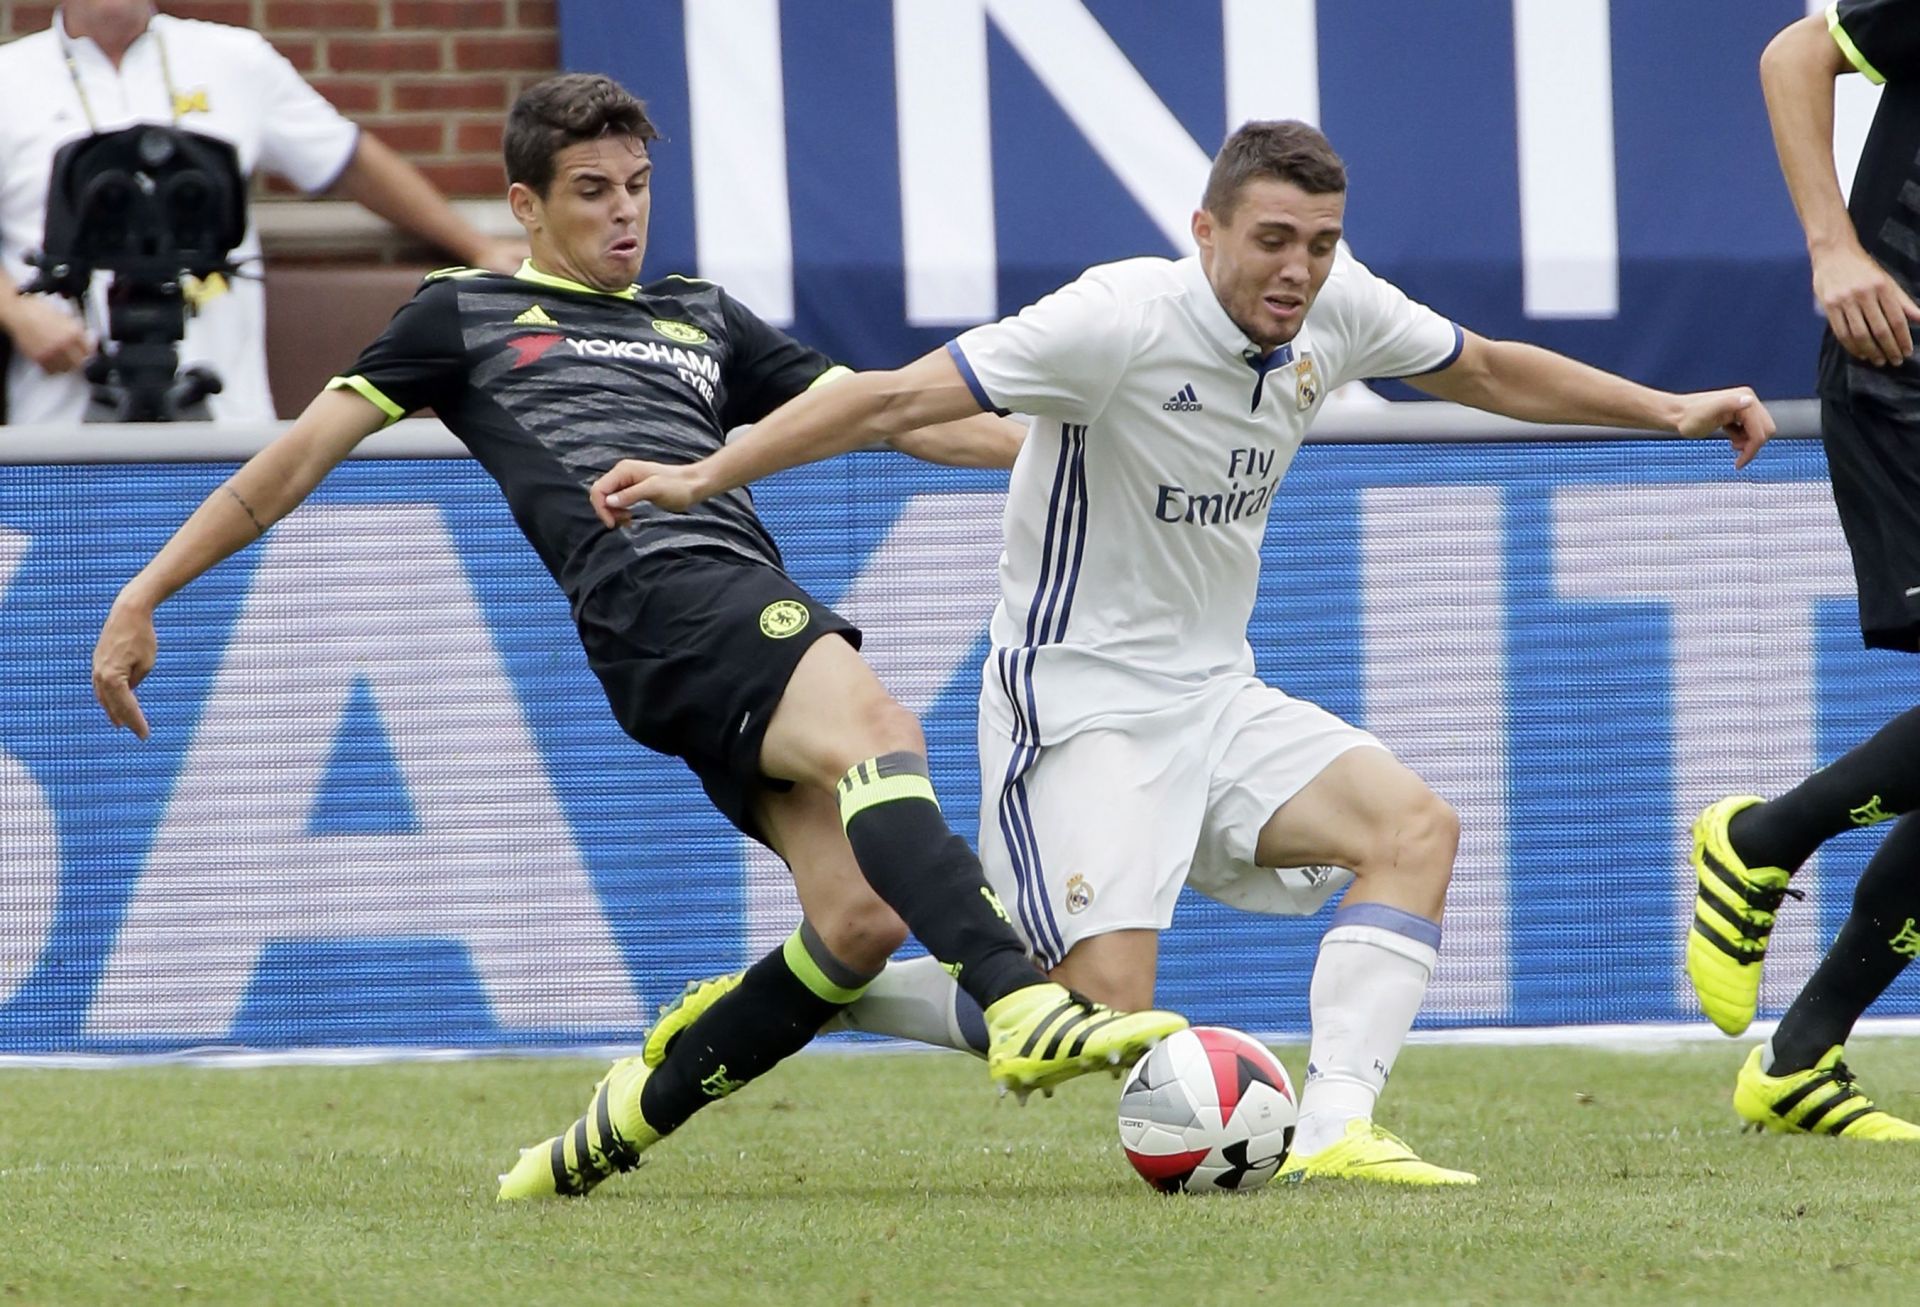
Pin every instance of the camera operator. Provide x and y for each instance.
(107, 64)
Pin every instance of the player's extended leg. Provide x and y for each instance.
(735, 1030)
(917, 1000)
(1796, 1082)
(1369, 813)
(1745, 849)
(838, 729)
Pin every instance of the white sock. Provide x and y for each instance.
(1368, 985)
(918, 1000)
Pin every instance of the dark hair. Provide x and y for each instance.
(1286, 151)
(565, 110)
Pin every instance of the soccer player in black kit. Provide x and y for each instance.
(1866, 275)
(706, 649)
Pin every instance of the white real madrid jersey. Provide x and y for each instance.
(1138, 504)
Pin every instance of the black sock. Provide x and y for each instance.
(930, 877)
(1875, 944)
(1875, 781)
(775, 1011)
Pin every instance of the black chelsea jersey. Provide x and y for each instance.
(549, 383)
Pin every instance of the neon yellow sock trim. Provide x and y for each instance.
(857, 794)
(801, 963)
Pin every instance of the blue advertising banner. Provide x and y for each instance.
(1596, 176)
(384, 802)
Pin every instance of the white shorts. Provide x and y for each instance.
(1100, 831)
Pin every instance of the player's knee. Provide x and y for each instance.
(863, 936)
(1442, 827)
(1430, 836)
(881, 725)
(1420, 842)
(895, 730)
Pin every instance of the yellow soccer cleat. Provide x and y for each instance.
(1045, 1035)
(1732, 918)
(683, 1012)
(1822, 1100)
(1367, 1152)
(609, 1138)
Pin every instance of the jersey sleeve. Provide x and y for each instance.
(765, 367)
(1059, 357)
(1881, 38)
(1383, 332)
(303, 139)
(417, 362)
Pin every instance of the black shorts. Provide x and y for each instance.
(694, 652)
(1873, 459)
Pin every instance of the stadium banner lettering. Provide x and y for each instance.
(877, 173)
(384, 802)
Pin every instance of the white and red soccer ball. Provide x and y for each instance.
(1208, 1110)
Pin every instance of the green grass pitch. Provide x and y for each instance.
(900, 1178)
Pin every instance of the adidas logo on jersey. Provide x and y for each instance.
(1183, 401)
(535, 317)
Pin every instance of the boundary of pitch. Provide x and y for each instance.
(1618, 1037)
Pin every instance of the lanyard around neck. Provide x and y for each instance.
(166, 78)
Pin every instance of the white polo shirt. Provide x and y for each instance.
(1139, 501)
(224, 81)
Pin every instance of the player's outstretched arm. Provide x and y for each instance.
(268, 487)
(861, 410)
(983, 440)
(1869, 313)
(1519, 380)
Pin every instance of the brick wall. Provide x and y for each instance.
(433, 78)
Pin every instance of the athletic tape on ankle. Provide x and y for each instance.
(886, 779)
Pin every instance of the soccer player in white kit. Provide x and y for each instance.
(1126, 747)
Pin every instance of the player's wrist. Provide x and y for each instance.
(711, 476)
(1822, 242)
(138, 598)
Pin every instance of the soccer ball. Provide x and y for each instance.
(1209, 1109)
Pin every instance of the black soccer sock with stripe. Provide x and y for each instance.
(930, 877)
(1875, 943)
(775, 1011)
(1875, 781)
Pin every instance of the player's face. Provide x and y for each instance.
(1271, 256)
(591, 226)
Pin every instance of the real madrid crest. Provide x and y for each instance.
(1306, 385)
(1079, 894)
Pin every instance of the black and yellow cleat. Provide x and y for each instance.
(1822, 1100)
(609, 1138)
(683, 1012)
(1733, 911)
(1045, 1035)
